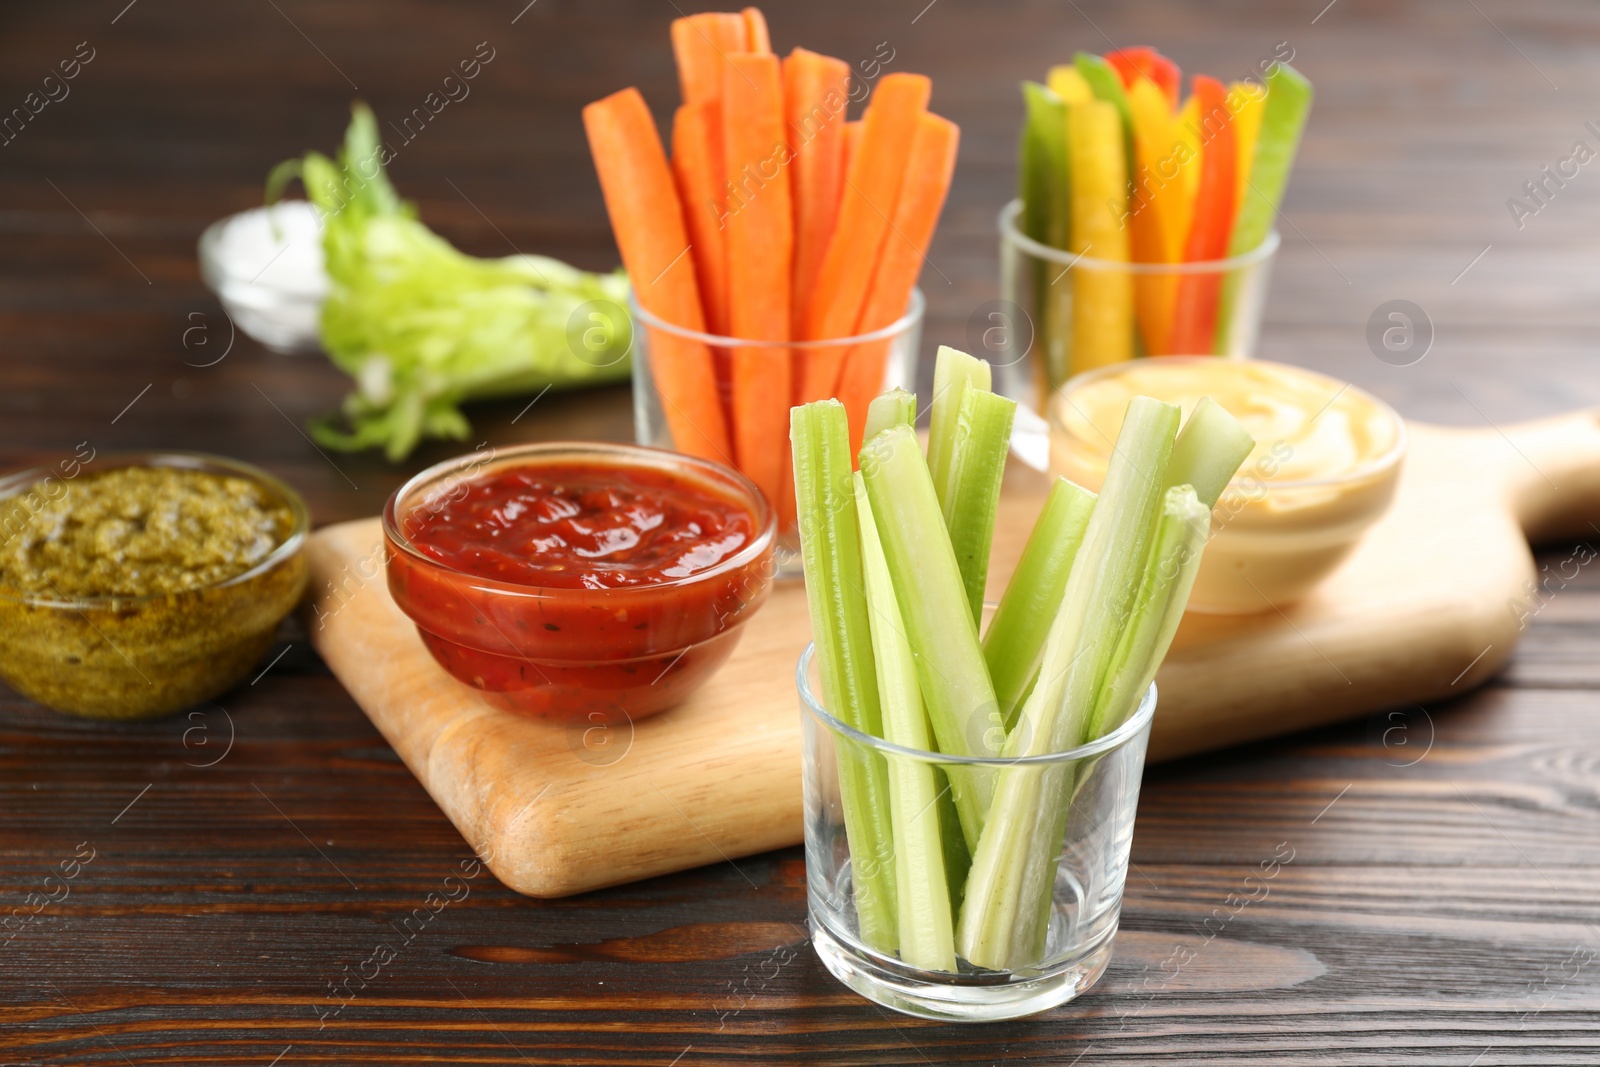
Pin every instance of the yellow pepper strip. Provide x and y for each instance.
(1247, 103)
(1102, 321)
(1068, 84)
(1187, 144)
(1155, 191)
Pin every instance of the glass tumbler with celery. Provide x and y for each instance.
(1144, 223)
(971, 772)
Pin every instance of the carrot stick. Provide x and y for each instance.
(872, 186)
(814, 100)
(760, 241)
(698, 167)
(701, 43)
(929, 167)
(755, 26)
(1194, 313)
(847, 151)
(647, 219)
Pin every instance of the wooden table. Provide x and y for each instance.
(249, 858)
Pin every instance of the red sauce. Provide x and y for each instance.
(570, 589)
(572, 526)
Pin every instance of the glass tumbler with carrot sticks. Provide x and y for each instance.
(1144, 223)
(774, 255)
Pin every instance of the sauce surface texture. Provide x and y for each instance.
(137, 531)
(580, 526)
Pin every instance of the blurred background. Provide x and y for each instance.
(1430, 115)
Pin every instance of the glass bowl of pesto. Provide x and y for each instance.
(136, 585)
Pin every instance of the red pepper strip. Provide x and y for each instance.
(1129, 63)
(1194, 317)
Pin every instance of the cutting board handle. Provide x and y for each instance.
(1554, 476)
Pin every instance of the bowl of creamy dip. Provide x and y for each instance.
(1324, 469)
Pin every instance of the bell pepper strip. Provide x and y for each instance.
(1102, 322)
(1106, 85)
(1046, 218)
(1194, 312)
(1143, 61)
(1067, 82)
(1156, 188)
(647, 219)
(1248, 104)
(1282, 119)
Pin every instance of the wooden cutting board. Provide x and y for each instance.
(1430, 604)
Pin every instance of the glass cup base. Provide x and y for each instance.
(1007, 997)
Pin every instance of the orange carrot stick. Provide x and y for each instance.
(760, 241)
(814, 99)
(929, 167)
(872, 186)
(647, 219)
(701, 43)
(697, 166)
(847, 149)
(755, 28)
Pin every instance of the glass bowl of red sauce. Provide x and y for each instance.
(566, 580)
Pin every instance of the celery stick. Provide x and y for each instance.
(953, 373)
(971, 498)
(830, 548)
(1173, 561)
(893, 408)
(1014, 642)
(1018, 850)
(1180, 538)
(1208, 451)
(944, 639)
(927, 936)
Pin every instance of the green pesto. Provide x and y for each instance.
(138, 591)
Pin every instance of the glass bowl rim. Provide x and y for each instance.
(1136, 723)
(628, 454)
(915, 308)
(14, 484)
(1382, 464)
(1009, 232)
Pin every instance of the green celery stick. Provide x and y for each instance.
(1169, 572)
(1282, 122)
(893, 408)
(1180, 538)
(1017, 852)
(927, 936)
(830, 548)
(1208, 451)
(954, 372)
(944, 639)
(1106, 84)
(971, 497)
(1014, 643)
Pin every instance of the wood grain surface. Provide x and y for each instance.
(253, 862)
